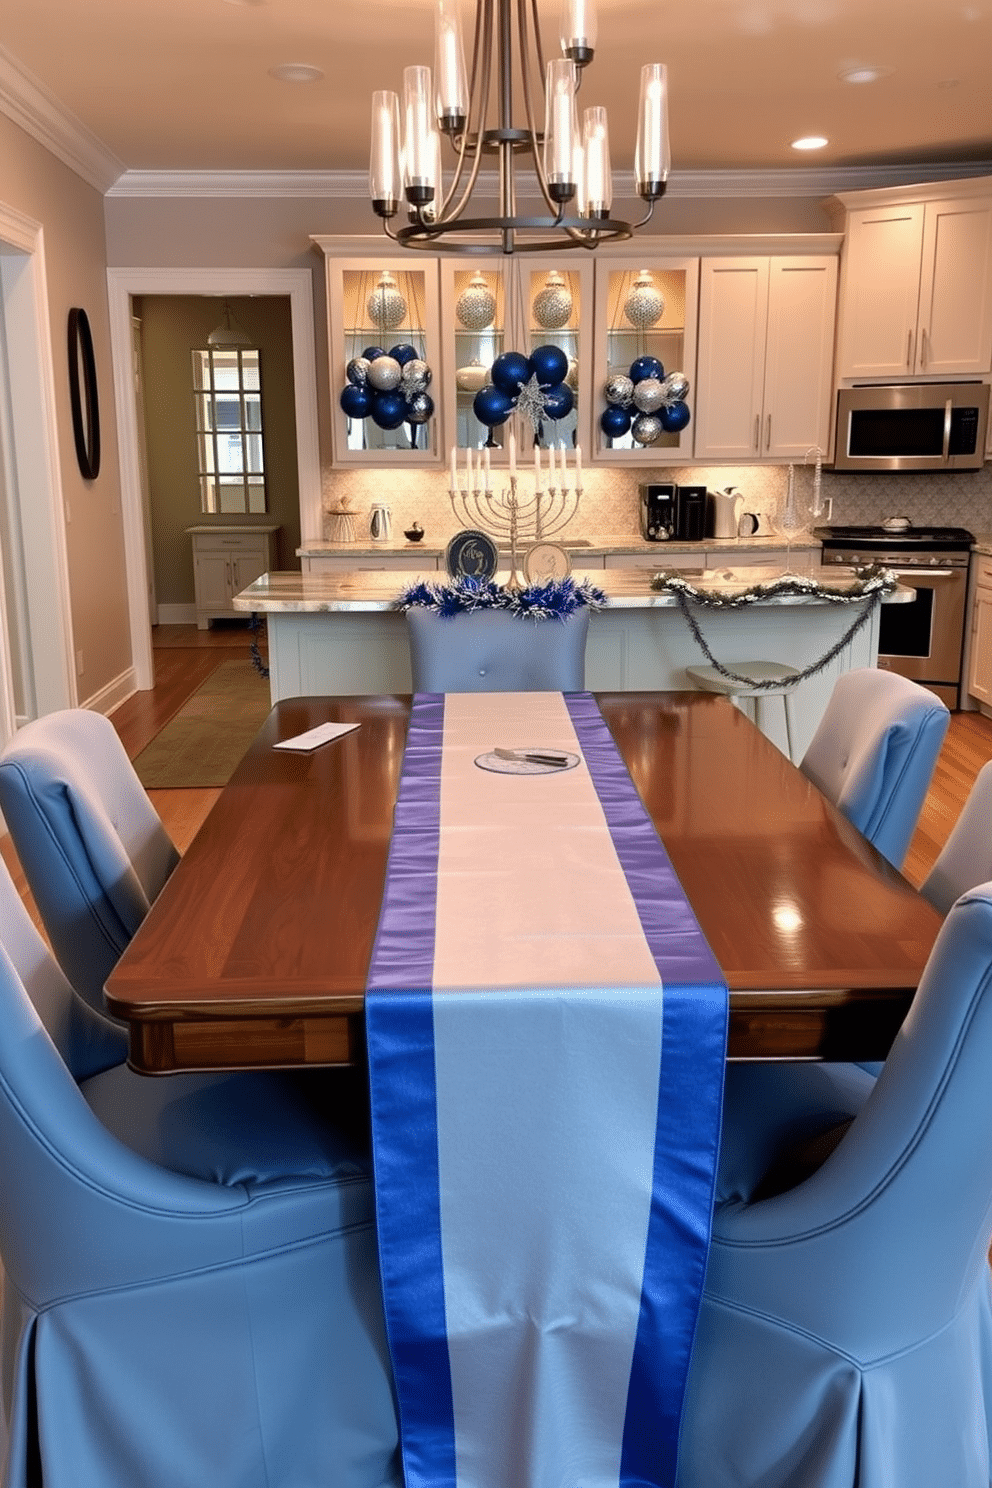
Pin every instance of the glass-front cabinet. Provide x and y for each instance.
(517, 352)
(384, 349)
(643, 396)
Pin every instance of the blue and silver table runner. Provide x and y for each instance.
(546, 1035)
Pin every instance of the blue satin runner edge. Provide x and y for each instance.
(400, 1034)
(694, 1045)
(402, 1078)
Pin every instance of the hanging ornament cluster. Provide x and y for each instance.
(535, 386)
(644, 402)
(390, 387)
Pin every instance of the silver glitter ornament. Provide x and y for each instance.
(644, 305)
(419, 408)
(648, 395)
(415, 377)
(572, 375)
(386, 307)
(675, 387)
(476, 305)
(385, 373)
(357, 371)
(619, 390)
(552, 307)
(646, 428)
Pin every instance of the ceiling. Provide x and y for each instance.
(184, 85)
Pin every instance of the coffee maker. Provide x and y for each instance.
(690, 514)
(658, 512)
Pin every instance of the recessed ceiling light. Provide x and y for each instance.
(810, 142)
(296, 72)
(863, 74)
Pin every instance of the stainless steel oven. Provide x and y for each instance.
(923, 640)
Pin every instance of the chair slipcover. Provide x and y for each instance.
(845, 1336)
(93, 849)
(490, 651)
(966, 858)
(195, 1304)
(874, 752)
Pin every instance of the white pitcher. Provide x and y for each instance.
(727, 507)
(380, 522)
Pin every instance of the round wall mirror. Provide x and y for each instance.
(83, 394)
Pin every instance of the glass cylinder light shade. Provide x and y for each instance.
(652, 157)
(578, 30)
(451, 102)
(421, 147)
(560, 130)
(597, 186)
(384, 163)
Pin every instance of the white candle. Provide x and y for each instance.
(453, 478)
(561, 466)
(513, 453)
(468, 469)
(485, 460)
(578, 467)
(537, 466)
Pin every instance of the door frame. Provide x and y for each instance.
(123, 284)
(34, 469)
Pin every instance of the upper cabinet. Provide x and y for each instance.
(765, 357)
(916, 288)
(645, 366)
(384, 347)
(493, 307)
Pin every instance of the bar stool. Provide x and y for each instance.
(710, 680)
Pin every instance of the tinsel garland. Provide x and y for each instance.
(870, 588)
(555, 600)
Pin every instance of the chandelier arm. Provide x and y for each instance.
(557, 208)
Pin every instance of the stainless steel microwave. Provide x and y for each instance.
(912, 426)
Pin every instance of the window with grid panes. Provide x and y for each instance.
(228, 393)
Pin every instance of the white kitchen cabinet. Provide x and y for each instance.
(226, 559)
(980, 649)
(765, 355)
(916, 287)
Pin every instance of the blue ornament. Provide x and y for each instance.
(558, 401)
(388, 410)
(673, 416)
(646, 366)
(550, 365)
(509, 371)
(356, 400)
(614, 421)
(371, 352)
(403, 353)
(492, 406)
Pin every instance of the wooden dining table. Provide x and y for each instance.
(256, 953)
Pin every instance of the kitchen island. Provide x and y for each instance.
(341, 634)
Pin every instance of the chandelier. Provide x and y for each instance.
(571, 165)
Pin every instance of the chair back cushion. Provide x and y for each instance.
(490, 651)
(874, 752)
(966, 858)
(92, 847)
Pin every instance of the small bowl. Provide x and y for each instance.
(413, 534)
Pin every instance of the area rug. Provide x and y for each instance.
(203, 743)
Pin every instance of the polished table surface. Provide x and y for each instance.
(257, 950)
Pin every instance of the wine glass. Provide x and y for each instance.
(790, 521)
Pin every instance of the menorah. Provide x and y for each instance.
(508, 515)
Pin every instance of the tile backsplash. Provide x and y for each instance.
(609, 503)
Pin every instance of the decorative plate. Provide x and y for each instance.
(544, 561)
(471, 555)
(500, 766)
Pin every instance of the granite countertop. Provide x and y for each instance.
(653, 552)
(294, 593)
(983, 544)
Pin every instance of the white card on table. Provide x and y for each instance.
(313, 738)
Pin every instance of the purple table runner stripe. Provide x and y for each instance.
(400, 1032)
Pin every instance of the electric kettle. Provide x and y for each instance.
(380, 522)
(726, 507)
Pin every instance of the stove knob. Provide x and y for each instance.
(934, 559)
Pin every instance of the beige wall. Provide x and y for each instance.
(38, 185)
(172, 327)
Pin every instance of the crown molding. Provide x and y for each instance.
(353, 185)
(28, 103)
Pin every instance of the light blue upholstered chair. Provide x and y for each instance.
(190, 1281)
(966, 858)
(490, 651)
(93, 849)
(874, 752)
(845, 1334)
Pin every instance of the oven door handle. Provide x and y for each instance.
(925, 573)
